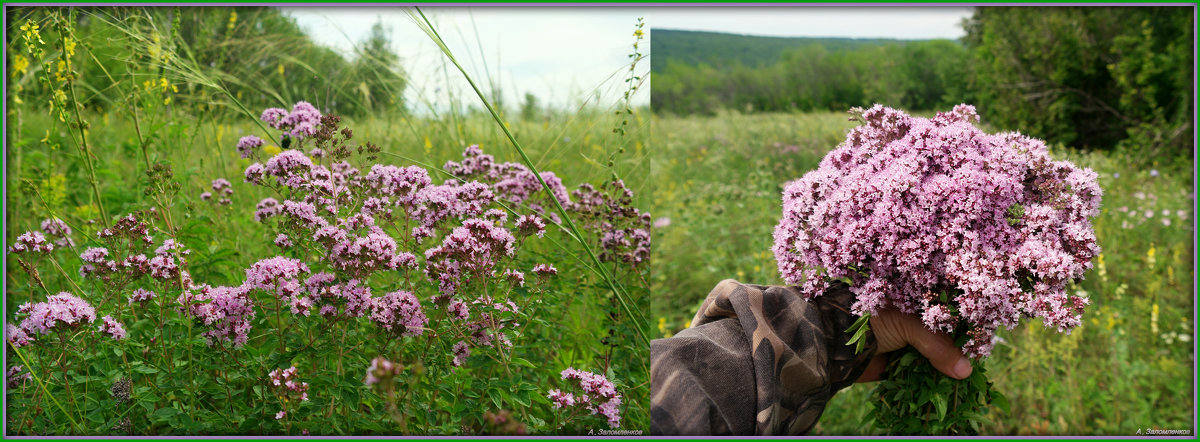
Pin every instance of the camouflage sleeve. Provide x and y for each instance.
(757, 360)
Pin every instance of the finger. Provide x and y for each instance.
(940, 350)
(874, 370)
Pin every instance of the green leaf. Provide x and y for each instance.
(923, 397)
(521, 397)
(164, 413)
(496, 399)
(1000, 401)
(939, 402)
(520, 361)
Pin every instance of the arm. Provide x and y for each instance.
(757, 360)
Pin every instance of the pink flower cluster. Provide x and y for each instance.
(461, 352)
(623, 229)
(511, 181)
(301, 122)
(226, 311)
(491, 319)
(399, 312)
(382, 371)
(59, 230)
(544, 270)
(221, 186)
(599, 395)
(112, 328)
(279, 276)
(16, 336)
(168, 262)
(286, 379)
(908, 209)
(467, 253)
(17, 376)
(31, 242)
(95, 261)
(61, 310)
(130, 229)
(248, 145)
(287, 389)
(141, 295)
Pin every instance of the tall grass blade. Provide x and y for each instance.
(618, 291)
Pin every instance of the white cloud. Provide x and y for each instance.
(561, 55)
(910, 22)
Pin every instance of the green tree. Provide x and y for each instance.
(1091, 77)
(380, 79)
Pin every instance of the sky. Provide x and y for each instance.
(817, 21)
(564, 56)
(568, 56)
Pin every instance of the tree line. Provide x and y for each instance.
(1092, 77)
(259, 54)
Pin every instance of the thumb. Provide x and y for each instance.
(939, 349)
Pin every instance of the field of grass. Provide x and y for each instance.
(718, 182)
(226, 239)
(139, 145)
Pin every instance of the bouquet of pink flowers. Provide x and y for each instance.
(933, 217)
(911, 208)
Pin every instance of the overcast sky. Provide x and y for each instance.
(568, 55)
(562, 55)
(907, 22)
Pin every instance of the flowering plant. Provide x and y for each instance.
(370, 267)
(933, 217)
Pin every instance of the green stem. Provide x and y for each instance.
(42, 385)
(608, 279)
(87, 154)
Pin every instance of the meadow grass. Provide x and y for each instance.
(719, 179)
(574, 145)
(145, 120)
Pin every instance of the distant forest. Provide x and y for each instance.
(1094, 77)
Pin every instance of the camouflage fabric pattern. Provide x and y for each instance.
(756, 360)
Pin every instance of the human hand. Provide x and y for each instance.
(894, 330)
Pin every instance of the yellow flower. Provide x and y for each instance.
(662, 325)
(69, 43)
(31, 32)
(85, 211)
(20, 64)
(638, 33)
(687, 324)
(280, 69)
(54, 190)
(232, 21)
(272, 150)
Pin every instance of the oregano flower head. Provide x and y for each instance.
(934, 217)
